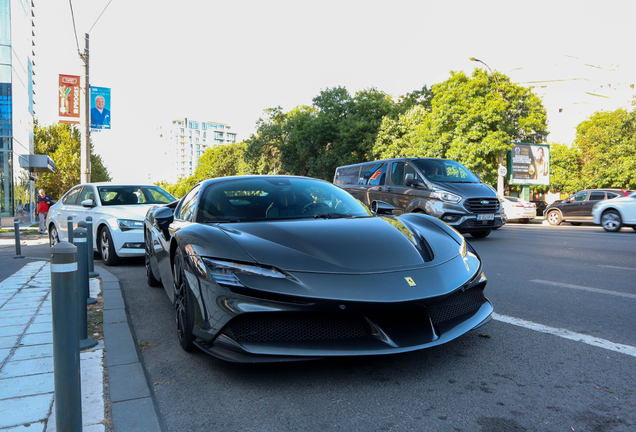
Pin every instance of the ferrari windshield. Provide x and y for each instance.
(132, 195)
(445, 171)
(266, 198)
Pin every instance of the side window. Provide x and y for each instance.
(611, 195)
(71, 198)
(580, 196)
(347, 175)
(87, 193)
(188, 206)
(397, 173)
(597, 196)
(373, 174)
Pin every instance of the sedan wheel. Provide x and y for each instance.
(554, 218)
(150, 277)
(182, 306)
(107, 248)
(611, 221)
(53, 237)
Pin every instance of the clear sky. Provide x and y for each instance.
(226, 61)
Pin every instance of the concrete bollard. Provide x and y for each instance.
(69, 223)
(82, 289)
(18, 246)
(89, 242)
(66, 360)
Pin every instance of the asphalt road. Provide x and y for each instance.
(501, 377)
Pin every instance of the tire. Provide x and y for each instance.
(107, 248)
(54, 238)
(576, 223)
(611, 221)
(150, 277)
(554, 218)
(480, 234)
(182, 301)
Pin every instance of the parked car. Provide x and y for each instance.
(541, 206)
(118, 216)
(271, 268)
(441, 188)
(518, 210)
(617, 213)
(577, 208)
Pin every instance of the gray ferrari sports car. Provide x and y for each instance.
(280, 268)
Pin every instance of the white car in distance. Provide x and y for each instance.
(519, 210)
(613, 214)
(117, 212)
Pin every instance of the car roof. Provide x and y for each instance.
(398, 159)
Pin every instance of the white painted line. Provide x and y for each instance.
(63, 268)
(567, 334)
(619, 268)
(595, 290)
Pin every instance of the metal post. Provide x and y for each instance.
(85, 341)
(18, 247)
(85, 154)
(66, 361)
(69, 222)
(89, 300)
(89, 248)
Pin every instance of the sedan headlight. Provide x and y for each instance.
(126, 225)
(224, 272)
(446, 196)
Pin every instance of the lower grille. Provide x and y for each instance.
(457, 305)
(478, 224)
(290, 327)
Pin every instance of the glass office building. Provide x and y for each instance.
(17, 33)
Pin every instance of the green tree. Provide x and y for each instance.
(263, 148)
(565, 168)
(221, 161)
(62, 143)
(472, 120)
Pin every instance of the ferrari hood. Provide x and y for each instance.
(359, 245)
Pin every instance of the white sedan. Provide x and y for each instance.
(517, 209)
(616, 213)
(117, 211)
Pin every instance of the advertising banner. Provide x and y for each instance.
(100, 108)
(69, 99)
(529, 164)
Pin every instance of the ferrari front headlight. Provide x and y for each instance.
(225, 272)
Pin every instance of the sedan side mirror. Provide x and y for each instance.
(381, 207)
(88, 203)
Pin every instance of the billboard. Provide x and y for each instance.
(100, 108)
(529, 164)
(69, 99)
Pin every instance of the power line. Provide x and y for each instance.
(100, 15)
(74, 28)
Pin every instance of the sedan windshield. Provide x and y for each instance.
(267, 198)
(445, 171)
(133, 195)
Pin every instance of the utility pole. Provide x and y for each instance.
(85, 173)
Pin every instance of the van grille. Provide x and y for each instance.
(482, 205)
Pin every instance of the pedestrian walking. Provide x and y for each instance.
(44, 202)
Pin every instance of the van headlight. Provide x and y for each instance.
(446, 196)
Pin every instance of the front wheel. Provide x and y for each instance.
(182, 298)
(480, 234)
(107, 248)
(611, 221)
(150, 277)
(53, 237)
(554, 218)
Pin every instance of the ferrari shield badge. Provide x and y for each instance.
(410, 281)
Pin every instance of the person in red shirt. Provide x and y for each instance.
(44, 202)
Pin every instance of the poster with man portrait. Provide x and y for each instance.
(529, 164)
(100, 108)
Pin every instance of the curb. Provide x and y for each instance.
(133, 404)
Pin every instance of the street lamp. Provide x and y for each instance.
(501, 171)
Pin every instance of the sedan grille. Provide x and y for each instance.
(289, 327)
(482, 205)
(457, 305)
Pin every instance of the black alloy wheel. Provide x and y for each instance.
(150, 277)
(53, 237)
(611, 221)
(107, 248)
(182, 298)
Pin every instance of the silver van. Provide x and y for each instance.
(438, 187)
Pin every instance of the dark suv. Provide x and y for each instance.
(577, 208)
(441, 188)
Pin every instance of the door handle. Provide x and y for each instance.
(388, 189)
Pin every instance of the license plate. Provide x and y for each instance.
(481, 217)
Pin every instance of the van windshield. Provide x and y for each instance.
(445, 171)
